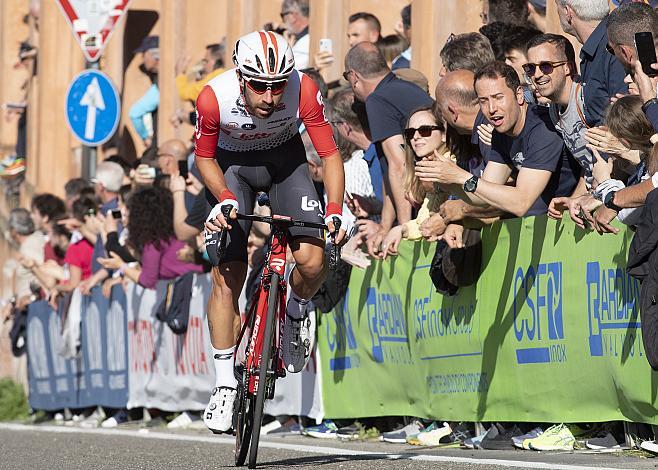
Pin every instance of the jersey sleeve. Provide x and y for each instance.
(206, 129)
(311, 112)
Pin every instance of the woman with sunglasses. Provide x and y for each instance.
(425, 138)
(247, 141)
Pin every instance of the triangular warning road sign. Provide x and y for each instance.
(92, 22)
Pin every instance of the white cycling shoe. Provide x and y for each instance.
(218, 416)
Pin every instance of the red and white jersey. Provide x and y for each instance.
(223, 120)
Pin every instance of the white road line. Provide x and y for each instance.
(298, 447)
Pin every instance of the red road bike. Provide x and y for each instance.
(258, 361)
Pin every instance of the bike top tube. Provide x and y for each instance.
(282, 221)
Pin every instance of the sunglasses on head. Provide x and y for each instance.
(424, 131)
(545, 67)
(259, 87)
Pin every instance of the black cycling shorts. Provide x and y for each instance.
(283, 173)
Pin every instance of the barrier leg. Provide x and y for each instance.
(479, 429)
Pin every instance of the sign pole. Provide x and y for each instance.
(89, 153)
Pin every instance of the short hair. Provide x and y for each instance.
(82, 207)
(217, 52)
(120, 161)
(495, 32)
(301, 6)
(631, 18)
(405, 14)
(462, 91)
(73, 187)
(48, 205)
(20, 221)
(517, 39)
(496, 70)
(314, 75)
(588, 10)
(392, 46)
(510, 11)
(561, 43)
(468, 51)
(372, 20)
(366, 59)
(110, 175)
(341, 106)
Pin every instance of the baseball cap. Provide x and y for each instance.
(110, 175)
(149, 42)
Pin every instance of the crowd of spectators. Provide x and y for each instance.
(517, 126)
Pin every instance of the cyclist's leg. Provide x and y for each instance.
(223, 315)
(294, 194)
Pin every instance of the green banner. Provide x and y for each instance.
(551, 333)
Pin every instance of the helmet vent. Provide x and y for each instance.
(260, 64)
(271, 59)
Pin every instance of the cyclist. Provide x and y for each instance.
(247, 140)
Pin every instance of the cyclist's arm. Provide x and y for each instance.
(311, 112)
(206, 137)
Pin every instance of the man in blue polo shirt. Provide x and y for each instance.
(524, 142)
(388, 101)
(601, 73)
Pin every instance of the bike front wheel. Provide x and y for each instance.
(265, 366)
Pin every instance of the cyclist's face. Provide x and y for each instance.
(261, 105)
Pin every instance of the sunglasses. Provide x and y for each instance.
(545, 67)
(259, 87)
(424, 131)
(346, 75)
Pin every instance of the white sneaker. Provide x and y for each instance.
(219, 412)
(182, 421)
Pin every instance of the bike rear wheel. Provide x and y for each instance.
(266, 358)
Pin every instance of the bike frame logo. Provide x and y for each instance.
(613, 312)
(538, 315)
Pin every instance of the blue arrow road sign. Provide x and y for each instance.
(93, 108)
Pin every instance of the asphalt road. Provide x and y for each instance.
(68, 448)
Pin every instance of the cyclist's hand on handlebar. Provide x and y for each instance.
(217, 220)
(335, 222)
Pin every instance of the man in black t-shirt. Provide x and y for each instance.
(388, 101)
(524, 141)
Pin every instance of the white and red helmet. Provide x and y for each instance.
(264, 55)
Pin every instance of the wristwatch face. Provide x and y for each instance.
(471, 184)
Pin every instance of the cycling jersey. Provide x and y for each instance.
(221, 108)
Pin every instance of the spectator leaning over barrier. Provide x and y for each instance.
(142, 112)
(524, 140)
(602, 74)
(425, 140)
(151, 237)
(458, 104)
(46, 208)
(468, 51)
(31, 244)
(552, 69)
(388, 101)
(52, 270)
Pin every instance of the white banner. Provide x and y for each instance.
(168, 371)
(176, 372)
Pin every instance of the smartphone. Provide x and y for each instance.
(116, 214)
(646, 52)
(327, 45)
(182, 168)
(147, 172)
